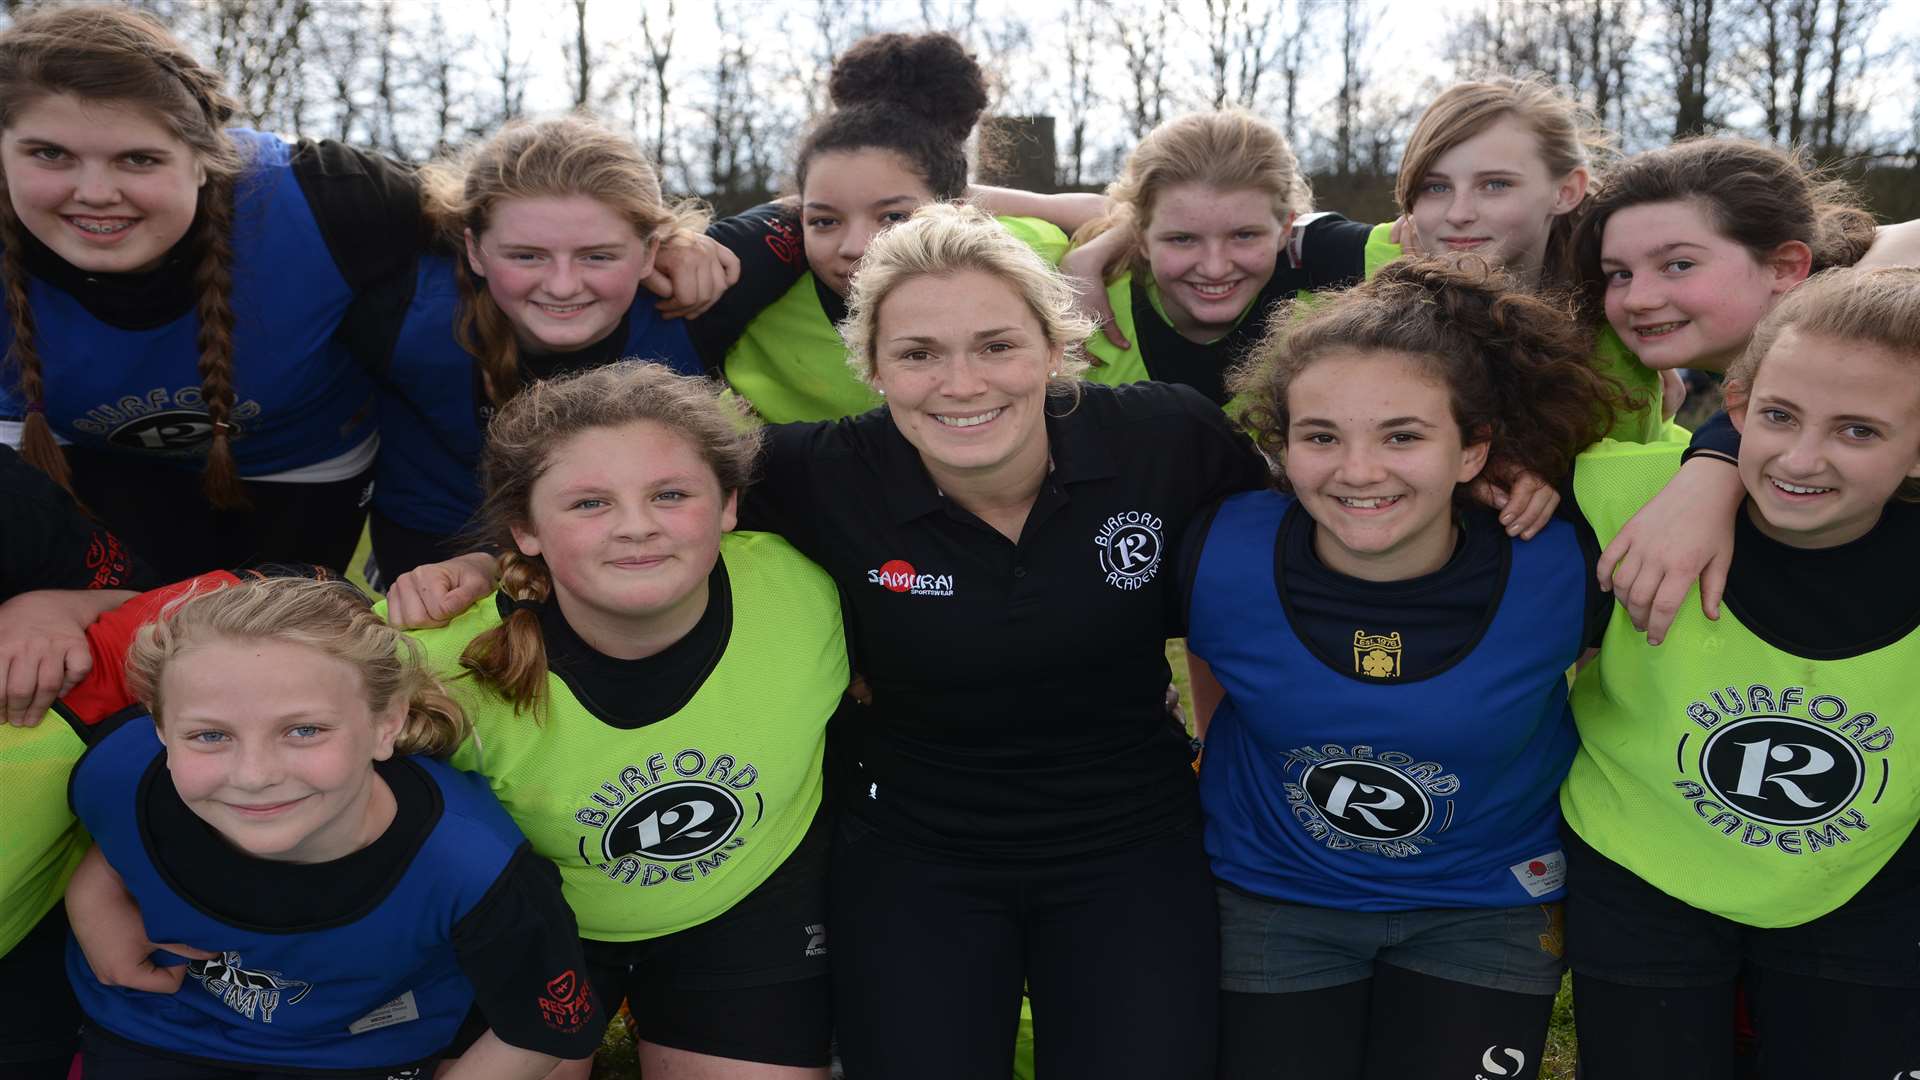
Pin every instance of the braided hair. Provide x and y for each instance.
(104, 53)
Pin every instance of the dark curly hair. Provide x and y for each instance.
(918, 95)
(1756, 194)
(1515, 362)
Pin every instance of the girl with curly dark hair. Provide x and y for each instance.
(1383, 669)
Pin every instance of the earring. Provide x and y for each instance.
(1053, 374)
(882, 393)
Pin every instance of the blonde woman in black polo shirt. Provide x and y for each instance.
(1016, 805)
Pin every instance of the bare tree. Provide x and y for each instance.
(738, 156)
(1356, 21)
(1079, 94)
(439, 67)
(1289, 59)
(1583, 45)
(580, 55)
(508, 71)
(659, 48)
(1238, 34)
(384, 131)
(1139, 30)
(337, 45)
(1691, 41)
(1776, 46)
(257, 44)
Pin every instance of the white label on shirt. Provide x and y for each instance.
(1542, 874)
(398, 1011)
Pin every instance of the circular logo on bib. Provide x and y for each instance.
(1782, 770)
(679, 821)
(1130, 545)
(1367, 800)
(174, 429)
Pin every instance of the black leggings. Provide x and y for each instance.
(1395, 1025)
(158, 510)
(1807, 1028)
(39, 1019)
(1654, 979)
(1121, 954)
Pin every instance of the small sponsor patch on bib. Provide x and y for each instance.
(1542, 874)
(398, 1011)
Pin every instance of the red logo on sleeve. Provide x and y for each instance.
(568, 1003)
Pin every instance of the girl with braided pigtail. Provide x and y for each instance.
(177, 295)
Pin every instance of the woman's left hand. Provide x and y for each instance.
(692, 271)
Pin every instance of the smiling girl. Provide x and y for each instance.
(268, 804)
(1207, 208)
(1685, 250)
(1383, 670)
(173, 293)
(903, 108)
(1742, 806)
(548, 235)
(650, 693)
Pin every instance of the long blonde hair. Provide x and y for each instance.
(329, 617)
(1226, 150)
(558, 158)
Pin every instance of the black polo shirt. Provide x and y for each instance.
(1018, 688)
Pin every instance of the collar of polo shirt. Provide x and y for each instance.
(1079, 449)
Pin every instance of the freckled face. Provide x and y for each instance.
(1211, 252)
(104, 184)
(1374, 454)
(629, 521)
(1679, 292)
(851, 197)
(1492, 194)
(563, 270)
(272, 744)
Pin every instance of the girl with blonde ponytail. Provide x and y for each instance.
(173, 293)
(650, 693)
(275, 805)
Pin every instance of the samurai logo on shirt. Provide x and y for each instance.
(1782, 767)
(247, 992)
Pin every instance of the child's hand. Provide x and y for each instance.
(43, 648)
(1525, 502)
(433, 594)
(1086, 267)
(692, 271)
(1684, 534)
(107, 924)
